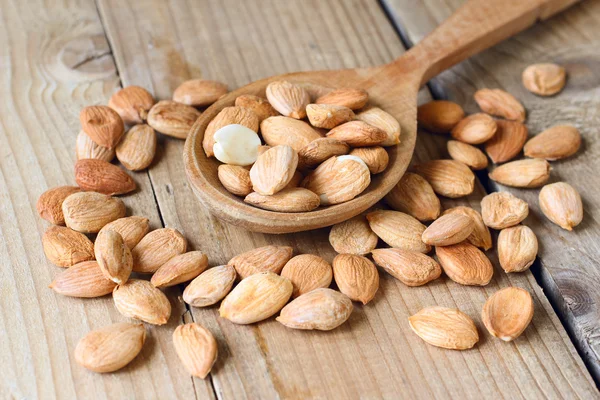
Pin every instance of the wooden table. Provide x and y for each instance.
(57, 57)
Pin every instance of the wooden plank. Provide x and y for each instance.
(55, 60)
(375, 354)
(568, 266)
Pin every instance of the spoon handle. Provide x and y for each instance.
(476, 26)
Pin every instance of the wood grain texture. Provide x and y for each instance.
(375, 354)
(56, 60)
(568, 261)
(476, 26)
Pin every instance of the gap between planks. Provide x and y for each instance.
(566, 38)
(188, 312)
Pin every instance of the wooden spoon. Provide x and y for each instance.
(477, 25)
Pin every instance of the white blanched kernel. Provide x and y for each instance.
(236, 144)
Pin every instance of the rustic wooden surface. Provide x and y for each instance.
(56, 59)
(568, 261)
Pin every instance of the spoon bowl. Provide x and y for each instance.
(393, 87)
(398, 100)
